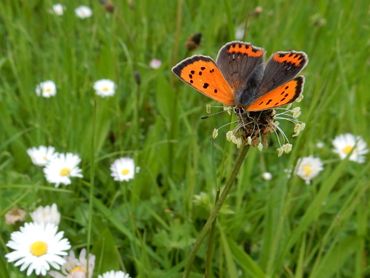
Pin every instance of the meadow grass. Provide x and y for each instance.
(277, 228)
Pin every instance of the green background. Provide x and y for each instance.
(277, 228)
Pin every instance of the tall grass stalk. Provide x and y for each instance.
(214, 213)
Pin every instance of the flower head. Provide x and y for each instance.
(254, 126)
(155, 63)
(83, 12)
(37, 247)
(286, 148)
(267, 176)
(15, 215)
(234, 138)
(46, 89)
(352, 146)
(320, 144)
(308, 167)
(114, 274)
(296, 112)
(105, 87)
(298, 128)
(62, 168)
(45, 215)
(41, 155)
(82, 267)
(123, 169)
(57, 9)
(239, 32)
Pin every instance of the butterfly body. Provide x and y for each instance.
(241, 78)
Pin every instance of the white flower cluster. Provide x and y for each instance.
(231, 137)
(59, 168)
(286, 113)
(38, 247)
(291, 115)
(81, 12)
(103, 88)
(346, 146)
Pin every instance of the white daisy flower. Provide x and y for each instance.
(308, 167)
(60, 169)
(114, 274)
(350, 145)
(239, 32)
(267, 176)
(46, 89)
(123, 169)
(82, 267)
(46, 215)
(37, 247)
(83, 12)
(155, 63)
(105, 87)
(320, 144)
(41, 155)
(57, 9)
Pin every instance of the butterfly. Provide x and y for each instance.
(241, 78)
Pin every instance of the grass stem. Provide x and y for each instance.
(214, 213)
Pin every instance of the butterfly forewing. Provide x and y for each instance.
(281, 95)
(202, 74)
(282, 66)
(237, 60)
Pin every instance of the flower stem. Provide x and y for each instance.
(92, 181)
(207, 272)
(214, 213)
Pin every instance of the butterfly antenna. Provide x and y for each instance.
(208, 111)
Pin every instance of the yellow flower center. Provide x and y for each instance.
(307, 170)
(77, 269)
(65, 172)
(39, 248)
(47, 90)
(105, 89)
(125, 171)
(347, 149)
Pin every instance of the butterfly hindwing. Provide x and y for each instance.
(282, 66)
(281, 95)
(237, 60)
(202, 74)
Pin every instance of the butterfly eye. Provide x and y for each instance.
(239, 110)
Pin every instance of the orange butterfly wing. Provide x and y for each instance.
(202, 74)
(281, 95)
